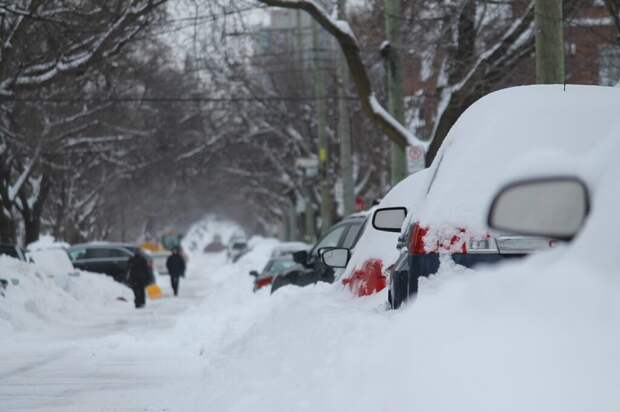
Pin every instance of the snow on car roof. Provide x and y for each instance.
(288, 248)
(507, 133)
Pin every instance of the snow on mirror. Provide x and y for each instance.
(336, 258)
(389, 219)
(549, 207)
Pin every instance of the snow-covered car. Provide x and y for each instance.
(509, 132)
(375, 252)
(310, 268)
(237, 247)
(54, 261)
(274, 267)
(280, 260)
(288, 248)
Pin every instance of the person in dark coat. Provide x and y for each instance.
(176, 268)
(139, 278)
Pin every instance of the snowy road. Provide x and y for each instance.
(116, 364)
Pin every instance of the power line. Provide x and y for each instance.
(165, 99)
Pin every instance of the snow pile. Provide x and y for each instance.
(229, 307)
(40, 299)
(537, 334)
(47, 241)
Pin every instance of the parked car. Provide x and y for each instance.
(108, 258)
(237, 247)
(510, 132)
(310, 268)
(215, 246)
(14, 251)
(54, 261)
(367, 270)
(280, 260)
(449, 218)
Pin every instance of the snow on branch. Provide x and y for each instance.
(342, 32)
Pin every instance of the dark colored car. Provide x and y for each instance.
(415, 263)
(310, 268)
(14, 251)
(108, 258)
(274, 268)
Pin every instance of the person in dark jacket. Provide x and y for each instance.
(139, 278)
(176, 268)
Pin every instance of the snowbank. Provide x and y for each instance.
(42, 300)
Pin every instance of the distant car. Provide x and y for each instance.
(274, 267)
(215, 245)
(281, 259)
(108, 258)
(14, 251)
(237, 247)
(310, 268)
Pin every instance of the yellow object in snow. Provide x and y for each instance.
(152, 247)
(153, 291)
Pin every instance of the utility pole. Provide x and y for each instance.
(344, 126)
(309, 233)
(321, 109)
(395, 84)
(549, 42)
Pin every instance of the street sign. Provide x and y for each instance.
(310, 165)
(415, 158)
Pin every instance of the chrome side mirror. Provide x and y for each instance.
(336, 257)
(553, 207)
(389, 219)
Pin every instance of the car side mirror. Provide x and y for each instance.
(554, 207)
(336, 257)
(389, 219)
(301, 257)
(254, 273)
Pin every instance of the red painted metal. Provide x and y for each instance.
(263, 282)
(367, 279)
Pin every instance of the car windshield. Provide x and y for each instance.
(275, 267)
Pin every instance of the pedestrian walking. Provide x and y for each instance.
(176, 268)
(139, 278)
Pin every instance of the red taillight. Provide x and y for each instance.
(260, 283)
(416, 243)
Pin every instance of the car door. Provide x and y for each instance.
(117, 263)
(79, 260)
